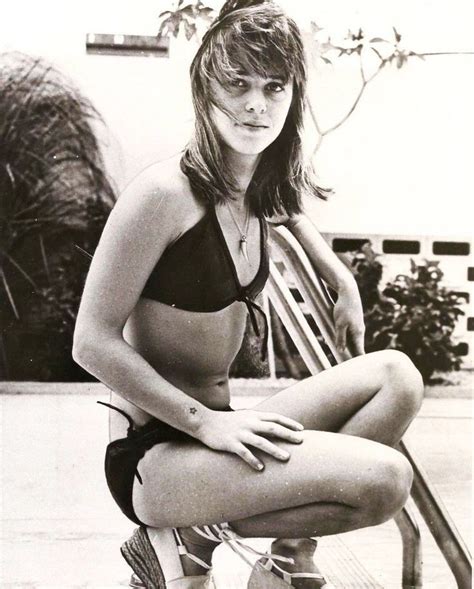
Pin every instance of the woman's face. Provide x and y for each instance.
(254, 110)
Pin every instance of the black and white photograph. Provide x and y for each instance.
(236, 294)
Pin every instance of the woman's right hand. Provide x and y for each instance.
(235, 431)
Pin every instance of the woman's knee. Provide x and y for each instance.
(404, 379)
(388, 487)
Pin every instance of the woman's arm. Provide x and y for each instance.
(141, 225)
(348, 313)
(132, 242)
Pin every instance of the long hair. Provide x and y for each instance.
(260, 38)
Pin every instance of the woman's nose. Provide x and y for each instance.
(256, 103)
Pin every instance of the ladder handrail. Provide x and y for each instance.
(426, 498)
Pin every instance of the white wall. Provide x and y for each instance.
(400, 165)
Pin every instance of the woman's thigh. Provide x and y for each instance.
(189, 484)
(329, 399)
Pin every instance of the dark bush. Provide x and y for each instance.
(54, 193)
(413, 313)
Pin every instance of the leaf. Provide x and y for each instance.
(315, 28)
(189, 29)
(170, 26)
(161, 31)
(398, 37)
(378, 40)
(206, 12)
(325, 59)
(401, 59)
(189, 10)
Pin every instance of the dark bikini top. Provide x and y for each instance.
(197, 273)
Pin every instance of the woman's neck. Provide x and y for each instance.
(243, 168)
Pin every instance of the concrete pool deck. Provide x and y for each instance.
(60, 527)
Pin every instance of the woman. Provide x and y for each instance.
(179, 264)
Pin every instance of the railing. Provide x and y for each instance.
(424, 495)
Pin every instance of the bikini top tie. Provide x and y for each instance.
(197, 273)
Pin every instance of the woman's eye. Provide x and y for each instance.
(238, 83)
(275, 87)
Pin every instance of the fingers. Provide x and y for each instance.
(358, 343)
(282, 420)
(255, 432)
(267, 446)
(248, 457)
(275, 430)
(341, 337)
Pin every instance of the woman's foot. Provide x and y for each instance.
(301, 551)
(198, 546)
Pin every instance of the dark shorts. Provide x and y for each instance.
(123, 455)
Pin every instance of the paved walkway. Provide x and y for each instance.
(60, 528)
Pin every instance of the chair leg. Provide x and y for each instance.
(411, 541)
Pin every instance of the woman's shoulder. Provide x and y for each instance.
(164, 179)
(282, 219)
(162, 183)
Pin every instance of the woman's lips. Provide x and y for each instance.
(254, 127)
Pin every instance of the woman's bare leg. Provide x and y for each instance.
(332, 483)
(375, 396)
(382, 414)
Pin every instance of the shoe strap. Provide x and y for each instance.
(223, 533)
(209, 532)
(183, 551)
(270, 564)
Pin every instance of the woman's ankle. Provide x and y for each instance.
(293, 547)
(301, 551)
(198, 546)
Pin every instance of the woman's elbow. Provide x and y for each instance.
(92, 341)
(86, 344)
(81, 345)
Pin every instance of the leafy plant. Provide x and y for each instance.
(248, 362)
(413, 313)
(53, 193)
(184, 16)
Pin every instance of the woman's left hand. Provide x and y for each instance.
(349, 321)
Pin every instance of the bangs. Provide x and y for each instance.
(248, 55)
(258, 41)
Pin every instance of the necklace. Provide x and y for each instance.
(243, 234)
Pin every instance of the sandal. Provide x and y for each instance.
(262, 576)
(141, 552)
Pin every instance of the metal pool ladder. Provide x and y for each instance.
(319, 305)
